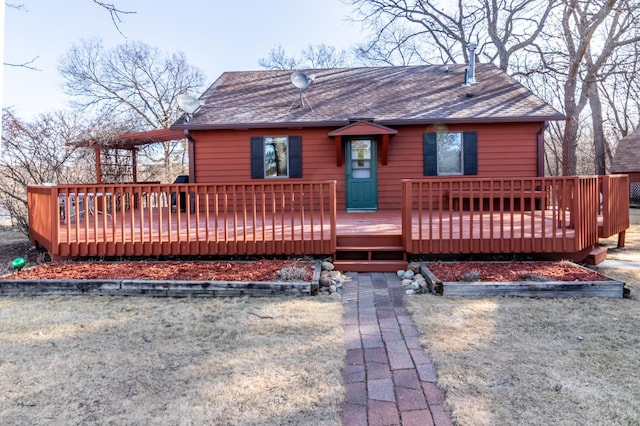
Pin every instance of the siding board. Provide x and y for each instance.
(504, 150)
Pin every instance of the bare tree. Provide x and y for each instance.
(278, 60)
(610, 25)
(131, 82)
(35, 153)
(313, 56)
(439, 31)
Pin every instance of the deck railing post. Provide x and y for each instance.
(406, 214)
(333, 213)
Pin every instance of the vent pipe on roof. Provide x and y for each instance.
(472, 63)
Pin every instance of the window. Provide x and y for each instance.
(276, 157)
(450, 153)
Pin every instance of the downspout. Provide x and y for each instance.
(192, 156)
(540, 140)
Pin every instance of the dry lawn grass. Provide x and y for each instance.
(631, 250)
(92, 360)
(520, 361)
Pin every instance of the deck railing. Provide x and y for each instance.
(185, 219)
(439, 216)
(540, 215)
(615, 204)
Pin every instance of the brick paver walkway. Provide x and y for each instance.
(389, 377)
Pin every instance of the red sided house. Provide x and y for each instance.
(365, 164)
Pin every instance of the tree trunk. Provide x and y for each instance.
(599, 141)
(570, 136)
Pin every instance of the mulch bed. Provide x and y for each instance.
(513, 271)
(259, 270)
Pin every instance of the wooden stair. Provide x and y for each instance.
(369, 253)
(597, 255)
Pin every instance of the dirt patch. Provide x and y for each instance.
(513, 271)
(259, 270)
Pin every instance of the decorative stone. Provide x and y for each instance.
(327, 266)
(336, 296)
(325, 280)
(333, 288)
(417, 277)
(414, 286)
(406, 282)
(422, 284)
(414, 266)
(408, 275)
(400, 273)
(409, 292)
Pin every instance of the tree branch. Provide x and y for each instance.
(115, 13)
(28, 65)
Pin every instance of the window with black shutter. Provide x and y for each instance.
(450, 153)
(276, 157)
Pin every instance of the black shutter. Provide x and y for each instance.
(295, 156)
(430, 153)
(257, 157)
(470, 150)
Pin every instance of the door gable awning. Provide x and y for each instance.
(362, 128)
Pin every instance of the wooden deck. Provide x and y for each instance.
(561, 215)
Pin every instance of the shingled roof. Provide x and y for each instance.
(627, 156)
(387, 95)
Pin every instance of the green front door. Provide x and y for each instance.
(361, 179)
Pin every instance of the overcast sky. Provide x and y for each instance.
(215, 35)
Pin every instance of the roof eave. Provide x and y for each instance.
(341, 123)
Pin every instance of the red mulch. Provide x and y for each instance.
(513, 271)
(266, 270)
(260, 270)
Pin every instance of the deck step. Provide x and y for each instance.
(370, 253)
(368, 240)
(370, 248)
(369, 265)
(597, 255)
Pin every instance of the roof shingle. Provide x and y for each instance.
(627, 156)
(387, 95)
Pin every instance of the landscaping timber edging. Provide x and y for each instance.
(611, 288)
(160, 288)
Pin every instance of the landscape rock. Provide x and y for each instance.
(406, 282)
(414, 267)
(400, 273)
(325, 279)
(327, 266)
(408, 275)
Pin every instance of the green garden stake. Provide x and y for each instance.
(18, 263)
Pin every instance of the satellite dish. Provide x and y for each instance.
(189, 104)
(300, 80)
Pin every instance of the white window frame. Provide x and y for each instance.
(439, 139)
(271, 140)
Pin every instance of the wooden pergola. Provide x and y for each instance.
(130, 142)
